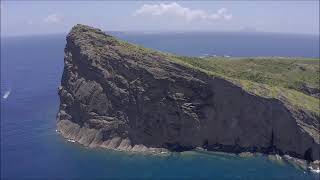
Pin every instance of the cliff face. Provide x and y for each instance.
(119, 96)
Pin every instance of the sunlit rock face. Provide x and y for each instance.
(120, 96)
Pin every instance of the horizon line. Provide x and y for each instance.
(165, 31)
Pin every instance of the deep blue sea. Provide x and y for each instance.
(31, 69)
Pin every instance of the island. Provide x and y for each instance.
(121, 96)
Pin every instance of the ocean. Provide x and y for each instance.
(31, 69)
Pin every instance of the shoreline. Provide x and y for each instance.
(73, 133)
(92, 138)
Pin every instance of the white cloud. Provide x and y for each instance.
(222, 11)
(30, 22)
(174, 9)
(53, 18)
(227, 16)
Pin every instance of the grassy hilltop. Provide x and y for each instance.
(285, 72)
(280, 78)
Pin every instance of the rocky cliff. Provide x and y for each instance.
(121, 96)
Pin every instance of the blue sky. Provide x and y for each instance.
(49, 17)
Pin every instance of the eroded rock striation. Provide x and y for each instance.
(120, 96)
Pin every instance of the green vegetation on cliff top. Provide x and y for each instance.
(282, 78)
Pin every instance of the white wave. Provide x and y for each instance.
(6, 94)
(278, 157)
(315, 170)
(71, 140)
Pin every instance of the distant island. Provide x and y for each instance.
(122, 96)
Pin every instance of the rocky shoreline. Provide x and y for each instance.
(73, 133)
(93, 138)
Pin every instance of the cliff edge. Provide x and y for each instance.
(117, 95)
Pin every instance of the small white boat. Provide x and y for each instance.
(6, 94)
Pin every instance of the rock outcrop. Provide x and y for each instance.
(120, 96)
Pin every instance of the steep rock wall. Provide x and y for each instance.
(144, 102)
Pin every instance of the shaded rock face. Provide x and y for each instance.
(312, 91)
(143, 102)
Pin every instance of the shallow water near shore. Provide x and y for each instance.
(31, 69)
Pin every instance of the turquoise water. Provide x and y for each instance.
(31, 69)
